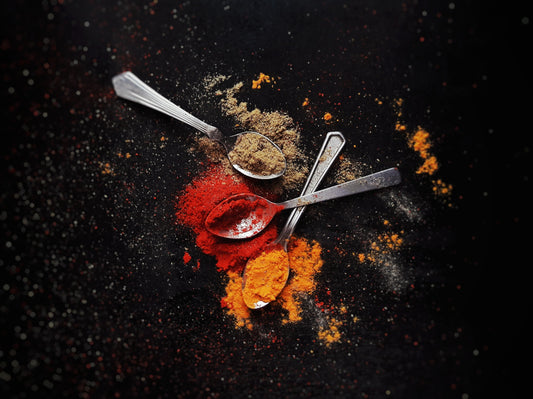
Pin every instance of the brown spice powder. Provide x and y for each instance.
(277, 126)
(256, 154)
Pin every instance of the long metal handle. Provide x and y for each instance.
(385, 178)
(130, 87)
(331, 148)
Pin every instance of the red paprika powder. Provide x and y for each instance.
(199, 198)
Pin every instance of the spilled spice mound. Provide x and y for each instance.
(305, 258)
(277, 126)
(256, 154)
(200, 197)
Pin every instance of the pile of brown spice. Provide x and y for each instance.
(277, 126)
(256, 154)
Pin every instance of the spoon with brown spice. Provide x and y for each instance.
(252, 154)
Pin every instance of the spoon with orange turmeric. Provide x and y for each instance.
(265, 276)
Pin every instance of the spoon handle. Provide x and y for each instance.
(331, 148)
(130, 87)
(385, 178)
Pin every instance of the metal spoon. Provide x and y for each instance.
(333, 144)
(257, 211)
(130, 87)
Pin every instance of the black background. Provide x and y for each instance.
(95, 299)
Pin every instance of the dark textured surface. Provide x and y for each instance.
(96, 301)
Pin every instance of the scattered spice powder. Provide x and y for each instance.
(383, 253)
(211, 81)
(234, 303)
(441, 188)
(330, 333)
(193, 205)
(420, 142)
(256, 154)
(256, 84)
(384, 244)
(265, 276)
(106, 168)
(347, 170)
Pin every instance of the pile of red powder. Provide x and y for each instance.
(200, 197)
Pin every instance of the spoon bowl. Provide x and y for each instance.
(250, 153)
(254, 155)
(241, 216)
(245, 215)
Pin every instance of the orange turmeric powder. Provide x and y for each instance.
(265, 277)
(305, 263)
(256, 84)
(305, 258)
(385, 244)
(419, 141)
(441, 188)
(234, 302)
(330, 333)
(421, 144)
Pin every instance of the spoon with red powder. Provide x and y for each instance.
(245, 215)
(250, 153)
